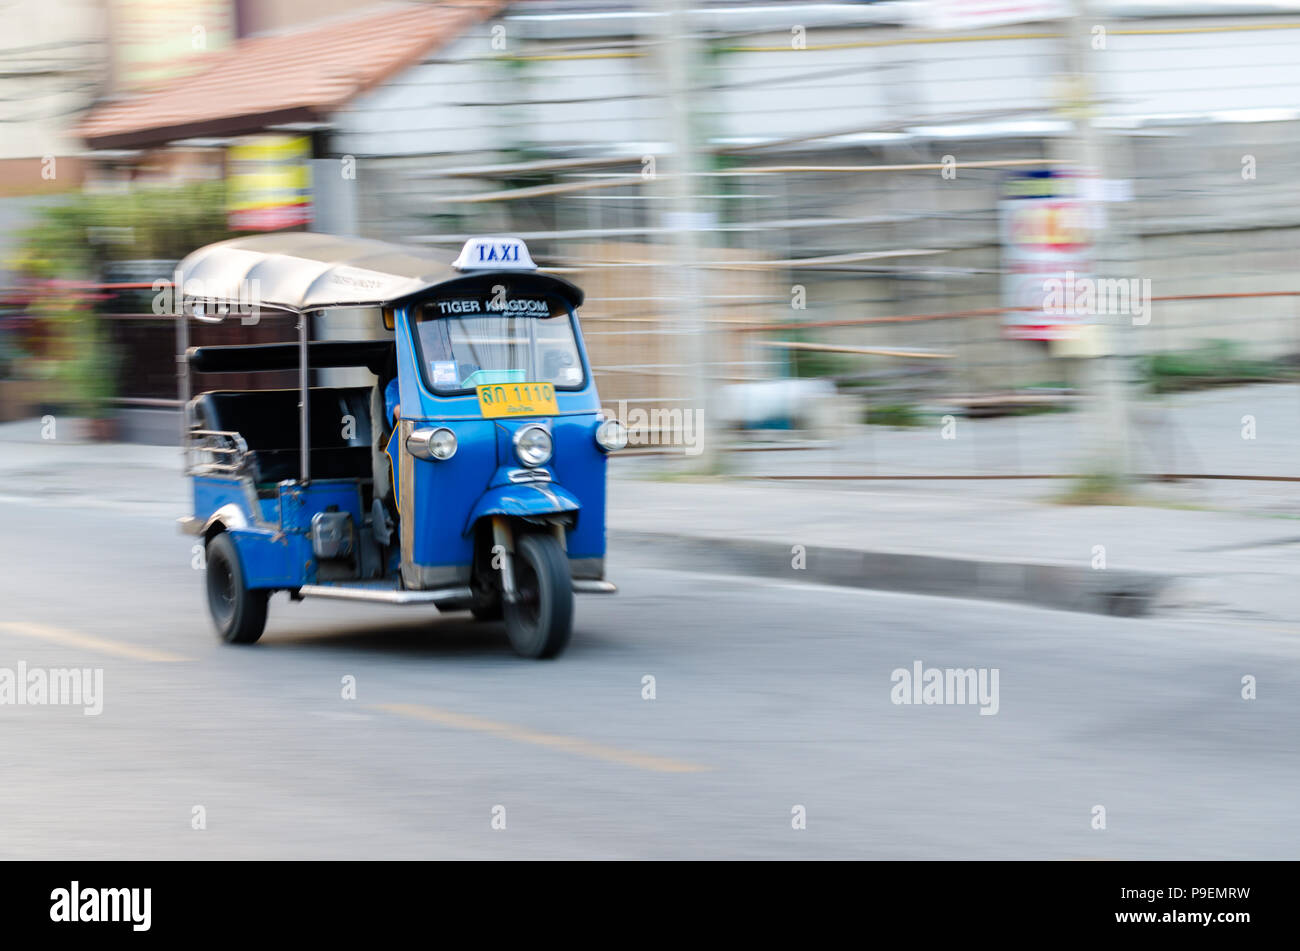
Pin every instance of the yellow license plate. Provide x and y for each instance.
(517, 399)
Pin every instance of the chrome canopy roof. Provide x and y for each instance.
(305, 271)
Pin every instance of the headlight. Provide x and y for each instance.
(533, 445)
(611, 435)
(432, 444)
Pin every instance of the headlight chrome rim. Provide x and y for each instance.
(435, 445)
(443, 444)
(532, 458)
(611, 435)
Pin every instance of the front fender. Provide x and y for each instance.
(529, 498)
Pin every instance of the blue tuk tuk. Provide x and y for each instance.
(470, 475)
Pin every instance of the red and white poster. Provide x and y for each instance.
(1045, 222)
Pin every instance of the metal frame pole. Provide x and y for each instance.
(182, 359)
(304, 396)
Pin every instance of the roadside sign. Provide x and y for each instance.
(1047, 240)
(270, 182)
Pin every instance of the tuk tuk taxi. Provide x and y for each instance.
(470, 475)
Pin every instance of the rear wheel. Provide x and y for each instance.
(540, 619)
(238, 613)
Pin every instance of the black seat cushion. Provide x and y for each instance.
(268, 422)
(276, 465)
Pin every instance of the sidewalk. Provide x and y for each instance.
(1186, 433)
(963, 539)
(67, 470)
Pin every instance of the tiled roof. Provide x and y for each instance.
(284, 77)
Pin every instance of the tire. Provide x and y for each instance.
(540, 620)
(238, 614)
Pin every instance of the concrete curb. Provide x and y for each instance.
(1119, 592)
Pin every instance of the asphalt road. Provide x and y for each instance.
(768, 696)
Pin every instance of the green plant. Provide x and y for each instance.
(892, 414)
(1038, 409)
(85, 361)
(96, 370)
(818, 363)
(1098, 489)
(71, 240)
(1215, 363)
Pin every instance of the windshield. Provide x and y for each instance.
(461, 345)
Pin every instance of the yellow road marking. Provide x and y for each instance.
(522, 734)
(60, 635)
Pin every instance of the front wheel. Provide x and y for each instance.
(540, 619)
(238, 612)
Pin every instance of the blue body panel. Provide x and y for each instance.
(273, 559)
(451, 495)
(212, 492)
(579, 465)
(445, 491)
(274, 547)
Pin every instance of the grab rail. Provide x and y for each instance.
(229, 448)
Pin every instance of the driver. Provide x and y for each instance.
(381, 507)
(392, 406)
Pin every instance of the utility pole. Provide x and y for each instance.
(685, 219)
(1105, 368)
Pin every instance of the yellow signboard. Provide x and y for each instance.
(270, 182)
(497, 400)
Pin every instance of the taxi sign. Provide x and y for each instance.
(494, 254)
(497, 400)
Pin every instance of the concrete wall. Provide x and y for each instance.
(55, 61)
